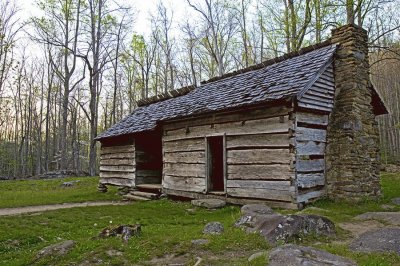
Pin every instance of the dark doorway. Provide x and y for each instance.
(216, 164)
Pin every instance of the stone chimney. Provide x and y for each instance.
(352, 155)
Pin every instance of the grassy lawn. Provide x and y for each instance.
(18, 193)
(167, 228)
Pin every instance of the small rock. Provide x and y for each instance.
(57, 249)
(254, 209)
(126, 231)
(299, 255)
(257, 255)
(396, 201)
(199, 242)
(209, 203)
(380, 240)
(213, 228)
(389, 217)
(191, 210)
(67, 184)
(114, 253)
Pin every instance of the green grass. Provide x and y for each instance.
(18, 193)
(167, 228)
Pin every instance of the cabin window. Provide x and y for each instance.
(216, 163)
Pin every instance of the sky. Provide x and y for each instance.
(141, 8)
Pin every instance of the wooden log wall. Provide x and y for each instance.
(148, 158)
(117, 165)
(260, 157)
(310, 144)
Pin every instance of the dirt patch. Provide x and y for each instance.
(42, 208)
(199, 257)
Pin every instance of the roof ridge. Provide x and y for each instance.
(166, 95)
(185, 90)
(271, 61)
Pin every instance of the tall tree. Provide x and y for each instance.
(60, 27)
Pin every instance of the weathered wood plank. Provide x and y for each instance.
(310, 195)
(310, 148)
(306, 134)
(118, 182)
(259, 184)
(269, 194)
(259, 126)
(261, 172)
(259, 156)
(185, 157)
(321, 101)
(315, 102)
(120, 155)
(326, 94)
(241, 201)
(176, 169)
(184, 183)
(117, 149)
(310, 180)
(117, 168)
(117, 162)
(261, 140)
(122, 175)
(310, 165)
(184, 145)
(314, 119)
(314, 106)
(229, 117)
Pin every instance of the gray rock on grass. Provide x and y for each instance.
(209, 203)
(57, 249)
(256, 209)
(379, 240)
(200, 242)
(276, 227)
(213, 228)
(392, 218)
(257, 255)
(396, 201)
(294, 255)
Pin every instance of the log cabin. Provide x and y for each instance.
(284, 132)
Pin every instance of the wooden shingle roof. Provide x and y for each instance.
(275, 79)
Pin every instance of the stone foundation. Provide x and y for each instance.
(352, 155)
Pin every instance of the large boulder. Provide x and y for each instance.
(209, 203)
(57, 249)
(293, 255)
(279, 228)
(379, 240)
(264, 223)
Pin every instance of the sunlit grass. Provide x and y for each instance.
(15, 193)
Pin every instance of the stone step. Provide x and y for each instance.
(137, 198)
(144, 194)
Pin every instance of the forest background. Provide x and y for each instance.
(69, 69)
